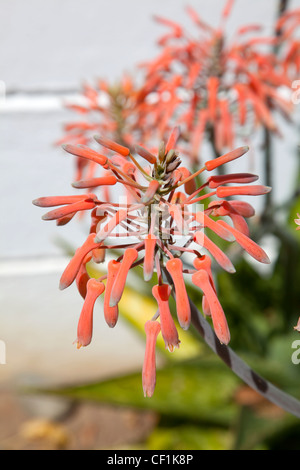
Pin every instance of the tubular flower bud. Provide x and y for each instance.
(150, 244)
(149, 194)
(86, 152)
(174, 267)
(94, 182)
(61, 200)
(144, 153)
(204, 263)
(129, 257)
(215, 251)
(206, 221)
(161, 293)
(243, 208)
(201, 280)
(228, 157)
(69, 209)
(111, 314)
(255, 190)
(205, 306)
(73, 267)
(83, 277)
(174, 136)
(110, 144)
(183, 173)
(85, 324)
(162, 220)
(152, 329)
(237, 219)
(218, 180)
(249, 245)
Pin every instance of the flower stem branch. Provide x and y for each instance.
(237, 365)
(241, 369)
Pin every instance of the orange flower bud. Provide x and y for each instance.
(150, 244)
(83, 277)
(206, 221)
(152, 329)
(129, 257)
(249, 245)
(111, 313)
(255, 190)
(174, 136)
(201, 280)
(174, 267)
(151, 190)
(85, 152)
(227, 157)
(85, 324)
(94, 182)
(52, 201)
(168, 329)
(218, 180)
(73, 267)
(204, 262)
(110, 144)
(215, 251)
(144, 153)
(83, 205)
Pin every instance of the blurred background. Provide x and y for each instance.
(47, 51)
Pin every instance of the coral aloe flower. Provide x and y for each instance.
(161, 220)
(218, 84)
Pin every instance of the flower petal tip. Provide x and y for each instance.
(171, 347)
(147, 276)
(231, 270)
(148, 393)
(265, 260)
(113, 301)
(63, 285)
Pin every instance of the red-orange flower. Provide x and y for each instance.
(152, 329)
(216, 86)
(105, 110)
(153, 227)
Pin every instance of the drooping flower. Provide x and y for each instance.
(152, 329)
(164, 218)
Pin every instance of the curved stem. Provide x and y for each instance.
(241, 369)
(237, 365)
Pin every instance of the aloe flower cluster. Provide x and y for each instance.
(104, 108)
(287, 30)
(163, 215)
(223, 86)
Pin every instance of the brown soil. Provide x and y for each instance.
(28, 425)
